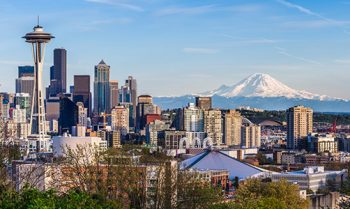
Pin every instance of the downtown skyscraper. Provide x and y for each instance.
(128, 95)
(60, 69)
(58, 74)
(82, 91)
(101, 88)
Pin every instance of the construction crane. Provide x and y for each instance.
(104, 115)
(334, 128)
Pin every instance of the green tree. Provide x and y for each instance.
(282, 195)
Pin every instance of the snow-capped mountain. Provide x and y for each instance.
(260, 91)
(262, 85)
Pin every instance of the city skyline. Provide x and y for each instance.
(211, 44)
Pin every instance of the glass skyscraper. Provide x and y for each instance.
(101, 88)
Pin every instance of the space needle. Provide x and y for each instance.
(38, 140)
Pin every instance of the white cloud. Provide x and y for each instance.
(252, 40)
(315, 24)
(282, 51)
(245, 8)
(111, 21)
(200, 50)
(300, 9)
(118, 3)
(342, 61)
(324, 21)
(185, 10)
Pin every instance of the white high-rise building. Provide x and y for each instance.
(19, 115)
(82, 114)
(193, 118)
(250, 134)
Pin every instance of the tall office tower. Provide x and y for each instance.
(101, 88)
(82, 114)
(82, 91)
(120, 119)
(23, 100)
(250, 134)
(213, 125)
(193, 118)
(131, 83)
(38, 39)
(60, 69)
(299, 124)
(204, 103)
(114, 92)
(25, 84)
(124, 95)
(232, 127)
(25, 71)
(144, 108)
(68, 115)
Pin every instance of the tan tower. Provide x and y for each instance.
(232, 127)
(213, 125)
(299, 124)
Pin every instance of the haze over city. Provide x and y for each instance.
(187, 46)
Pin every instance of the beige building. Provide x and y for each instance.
(120, 119)
(299, 124)
(213, 125)
(250, 134)
(232, 127)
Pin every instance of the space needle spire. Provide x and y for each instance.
(38, 39)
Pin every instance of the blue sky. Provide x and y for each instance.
(179, 47)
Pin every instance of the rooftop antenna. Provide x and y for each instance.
(38, 20)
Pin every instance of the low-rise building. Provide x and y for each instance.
(312, 177)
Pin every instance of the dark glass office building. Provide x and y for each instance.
(60, 70)
(82, 91)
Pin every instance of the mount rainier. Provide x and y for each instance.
(260, 91)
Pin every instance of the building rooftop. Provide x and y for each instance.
(217, 160)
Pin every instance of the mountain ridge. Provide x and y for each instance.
(263, 85)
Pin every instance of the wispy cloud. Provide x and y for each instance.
(245, 8)
(118, 3)
(122, 20)
(252, 40)
(342, 61)
(315, 24)
(283, 51)
(185, 10)
(96, 24)
(301, 9)
(15, 62)
(323, 22)
(200, 50)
